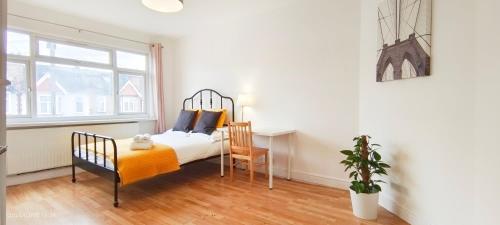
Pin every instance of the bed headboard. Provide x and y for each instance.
(209, 99)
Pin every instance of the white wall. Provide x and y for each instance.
(300, 63)
(427, 125)
(487, 178)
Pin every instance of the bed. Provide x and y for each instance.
(100, 154)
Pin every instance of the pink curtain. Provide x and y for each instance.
(156, 51)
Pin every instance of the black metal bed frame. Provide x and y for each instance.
(82, 159)
(211, 102)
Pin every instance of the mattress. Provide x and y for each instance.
(189, 147)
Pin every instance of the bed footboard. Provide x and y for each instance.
(80, 157)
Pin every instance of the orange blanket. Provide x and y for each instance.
(136, 165)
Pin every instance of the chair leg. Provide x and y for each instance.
(266, 165)
(231, 168)
(251, 170)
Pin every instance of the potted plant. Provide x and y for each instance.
(363, 163)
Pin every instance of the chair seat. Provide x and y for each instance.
(257, 152)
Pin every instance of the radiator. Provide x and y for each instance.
(38, 149)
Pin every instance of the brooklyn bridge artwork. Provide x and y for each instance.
(404, 39)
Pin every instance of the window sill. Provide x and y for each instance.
(53, 124)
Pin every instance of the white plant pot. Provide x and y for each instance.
(365, 206)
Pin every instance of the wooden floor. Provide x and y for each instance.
(196, 195)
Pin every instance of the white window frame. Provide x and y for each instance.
(32, 112)
(30, 40)
(60, 60)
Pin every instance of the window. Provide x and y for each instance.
(131, 82)
(52, 49)
(17, 91)
(131, 61)
(72, 80)
(70, 83)
(18, 43)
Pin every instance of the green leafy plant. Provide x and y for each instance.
(363, 163)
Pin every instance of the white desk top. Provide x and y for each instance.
(268, 132)
(272, 132)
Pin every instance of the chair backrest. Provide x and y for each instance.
(240, 138)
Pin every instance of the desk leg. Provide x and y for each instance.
(291, 154)
(222, 155)
(271, 164)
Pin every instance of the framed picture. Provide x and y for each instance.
(404, 39)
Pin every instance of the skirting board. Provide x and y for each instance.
(402, 212)
(312, 178)
(309, 178)
(40, 175)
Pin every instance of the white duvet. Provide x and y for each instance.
(189, 147)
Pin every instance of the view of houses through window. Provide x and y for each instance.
(131, 93)
(73, 90)
(59, 79)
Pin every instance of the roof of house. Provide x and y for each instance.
(129, 89)
(47, 84)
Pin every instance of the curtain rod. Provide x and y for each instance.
(79, 29)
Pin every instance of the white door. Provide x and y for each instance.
(3, 82)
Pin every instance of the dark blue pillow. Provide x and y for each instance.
(185, 121)
(207, 122)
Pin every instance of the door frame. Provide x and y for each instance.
(3, 129)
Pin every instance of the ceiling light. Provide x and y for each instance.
(166, 6)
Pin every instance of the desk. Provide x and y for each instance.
(270, 133)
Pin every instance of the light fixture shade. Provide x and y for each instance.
(166, 6)
(245, 100)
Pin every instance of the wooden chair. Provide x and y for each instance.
(241, 148)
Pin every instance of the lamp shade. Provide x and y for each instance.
(245, 100)
(166, 6)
